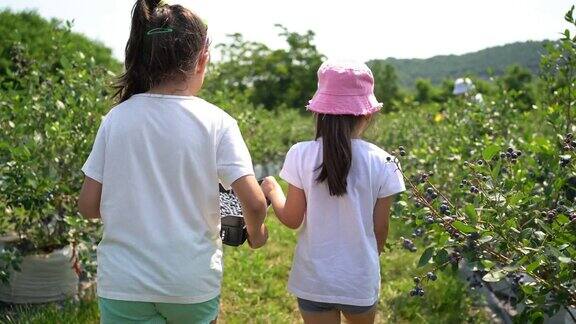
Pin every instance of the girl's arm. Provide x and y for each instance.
(89, 200)
(290, 211)
(381, 220)
(253, 208)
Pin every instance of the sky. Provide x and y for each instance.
(357, 30)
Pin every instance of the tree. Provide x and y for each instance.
(269, 78)
(517, 82)
(425, 92)
(386, 86)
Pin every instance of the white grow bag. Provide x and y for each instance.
(44, 278)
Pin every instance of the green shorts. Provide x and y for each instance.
(120, 311)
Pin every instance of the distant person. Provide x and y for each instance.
(153, 174)
(340, 192)
(466, 88)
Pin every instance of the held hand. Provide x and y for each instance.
(257, 239)
(270, 186)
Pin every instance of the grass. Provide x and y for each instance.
(254, 290)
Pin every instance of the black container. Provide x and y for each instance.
(233, 228)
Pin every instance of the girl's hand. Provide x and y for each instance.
(258, 238)
(270, 186)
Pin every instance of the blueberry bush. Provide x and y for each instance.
(492, 187)
(492, 183)
(49, 108)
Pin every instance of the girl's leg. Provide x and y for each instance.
(120, 311)
(361, 318)
(329, 317)
(318, 313)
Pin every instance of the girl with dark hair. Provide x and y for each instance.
(340, 190)
(153, 173)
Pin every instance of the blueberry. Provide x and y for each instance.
(431, 276)
(416, 280)
(474, 236)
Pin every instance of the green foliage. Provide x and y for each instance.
(491, 184)
(272, 78)
(517, 81)
(50, 106)
(501, 212)
(425, 92)
(386, 86)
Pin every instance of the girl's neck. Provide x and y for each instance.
(188, 87)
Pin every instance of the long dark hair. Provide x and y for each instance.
(336, 132)
(165, 42)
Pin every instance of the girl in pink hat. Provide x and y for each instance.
(339, 196)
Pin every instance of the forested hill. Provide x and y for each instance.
(437, 68)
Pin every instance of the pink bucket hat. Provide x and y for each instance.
(344, 88)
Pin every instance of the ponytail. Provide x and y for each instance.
(152, 58)
(336, 132)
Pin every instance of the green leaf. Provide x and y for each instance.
(563, 246)
(494, 275)
(470, 211)
(544, 226)
(565, 259)
(562, 219)
(485, 239)
(65, 63)
(490, 151)
(464, 228)
(441, 256)
(496, 170)
(541, 235)
(487, 264)
(426, 256)
(534, 265)
(569, 14)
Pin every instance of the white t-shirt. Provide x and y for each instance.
(159, 159)
(336, 259)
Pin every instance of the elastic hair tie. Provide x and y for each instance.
(155, 31)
